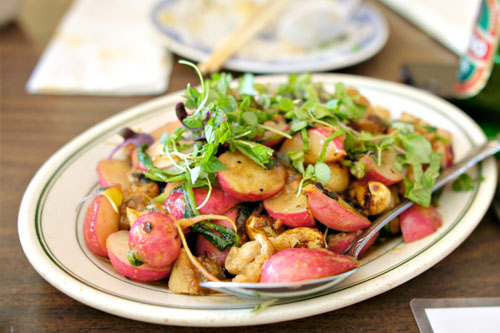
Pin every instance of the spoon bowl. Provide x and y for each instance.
(278, 290)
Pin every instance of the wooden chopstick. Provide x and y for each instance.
(253, 25)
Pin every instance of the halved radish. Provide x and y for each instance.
(418, 222)
(218, 202)
(206, 249)
(101, 220)
(338, 243)
(169, 127)
(279, 124)
(117, 247)
(296, 143)
(175, 204)
(113, 172)
(245, 180)
(159, 157)
(298, 264)
(154, 239)
(339, 178)
(333, 211)
(317, 138)
(291, 209)
(386, 172)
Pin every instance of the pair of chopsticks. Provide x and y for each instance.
(253, 25)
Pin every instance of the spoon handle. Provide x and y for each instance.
(489, 148)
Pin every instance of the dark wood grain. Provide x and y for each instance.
(32, 128)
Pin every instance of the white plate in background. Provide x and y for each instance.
(192, 28)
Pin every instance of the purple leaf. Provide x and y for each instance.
(131, 137)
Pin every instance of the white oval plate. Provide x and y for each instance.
(50, 227)
(192, 28)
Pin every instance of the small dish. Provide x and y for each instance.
(192, 29)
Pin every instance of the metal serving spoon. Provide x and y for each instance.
(309, 287)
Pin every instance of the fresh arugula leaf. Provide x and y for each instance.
(192, 123)
(403, 127)
(161, 198)
(420, 191)
(260, 154)
(194, 173)
(250, 118)
(213, 165)
(305, 138)
(190, 209)
(246, 84)
(358, 169)
(297, 159)
(327, 142)
(322, 173)
(321, 111)
(225, 239)
(347, 106)
(464, 182)
(297, 125)
(286, 104)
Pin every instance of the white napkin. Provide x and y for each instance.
(448, 21)
(103, 48)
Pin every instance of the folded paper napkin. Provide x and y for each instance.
(103, 48)
(448, 21)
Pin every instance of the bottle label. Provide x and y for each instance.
(475, 66)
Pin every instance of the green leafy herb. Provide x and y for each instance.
(260, 154)
(322, 173)
(420, 190)
(327, 142)
(464, 182)
(347, 106)
(161, 198)
(219, 118)
(190, 209)
(298, 125)
(246, 85)
(305, 138)
(132, 259)
(226, 238)
(286, 104)
(358, 169)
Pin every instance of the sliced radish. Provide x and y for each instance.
(117, 247)
(101, 220)
(386, 172)
(333, 211)
(291, 209)
(245, 180)
(297, 264)
(114, 172)
(418, 222)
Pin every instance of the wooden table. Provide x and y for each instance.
(34, 127)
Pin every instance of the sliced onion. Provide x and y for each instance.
(133, 138)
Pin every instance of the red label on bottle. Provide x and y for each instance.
(475, 66)
(480, 47)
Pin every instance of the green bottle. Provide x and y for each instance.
(478, 78)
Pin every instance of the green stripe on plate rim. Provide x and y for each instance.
(105, 134)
